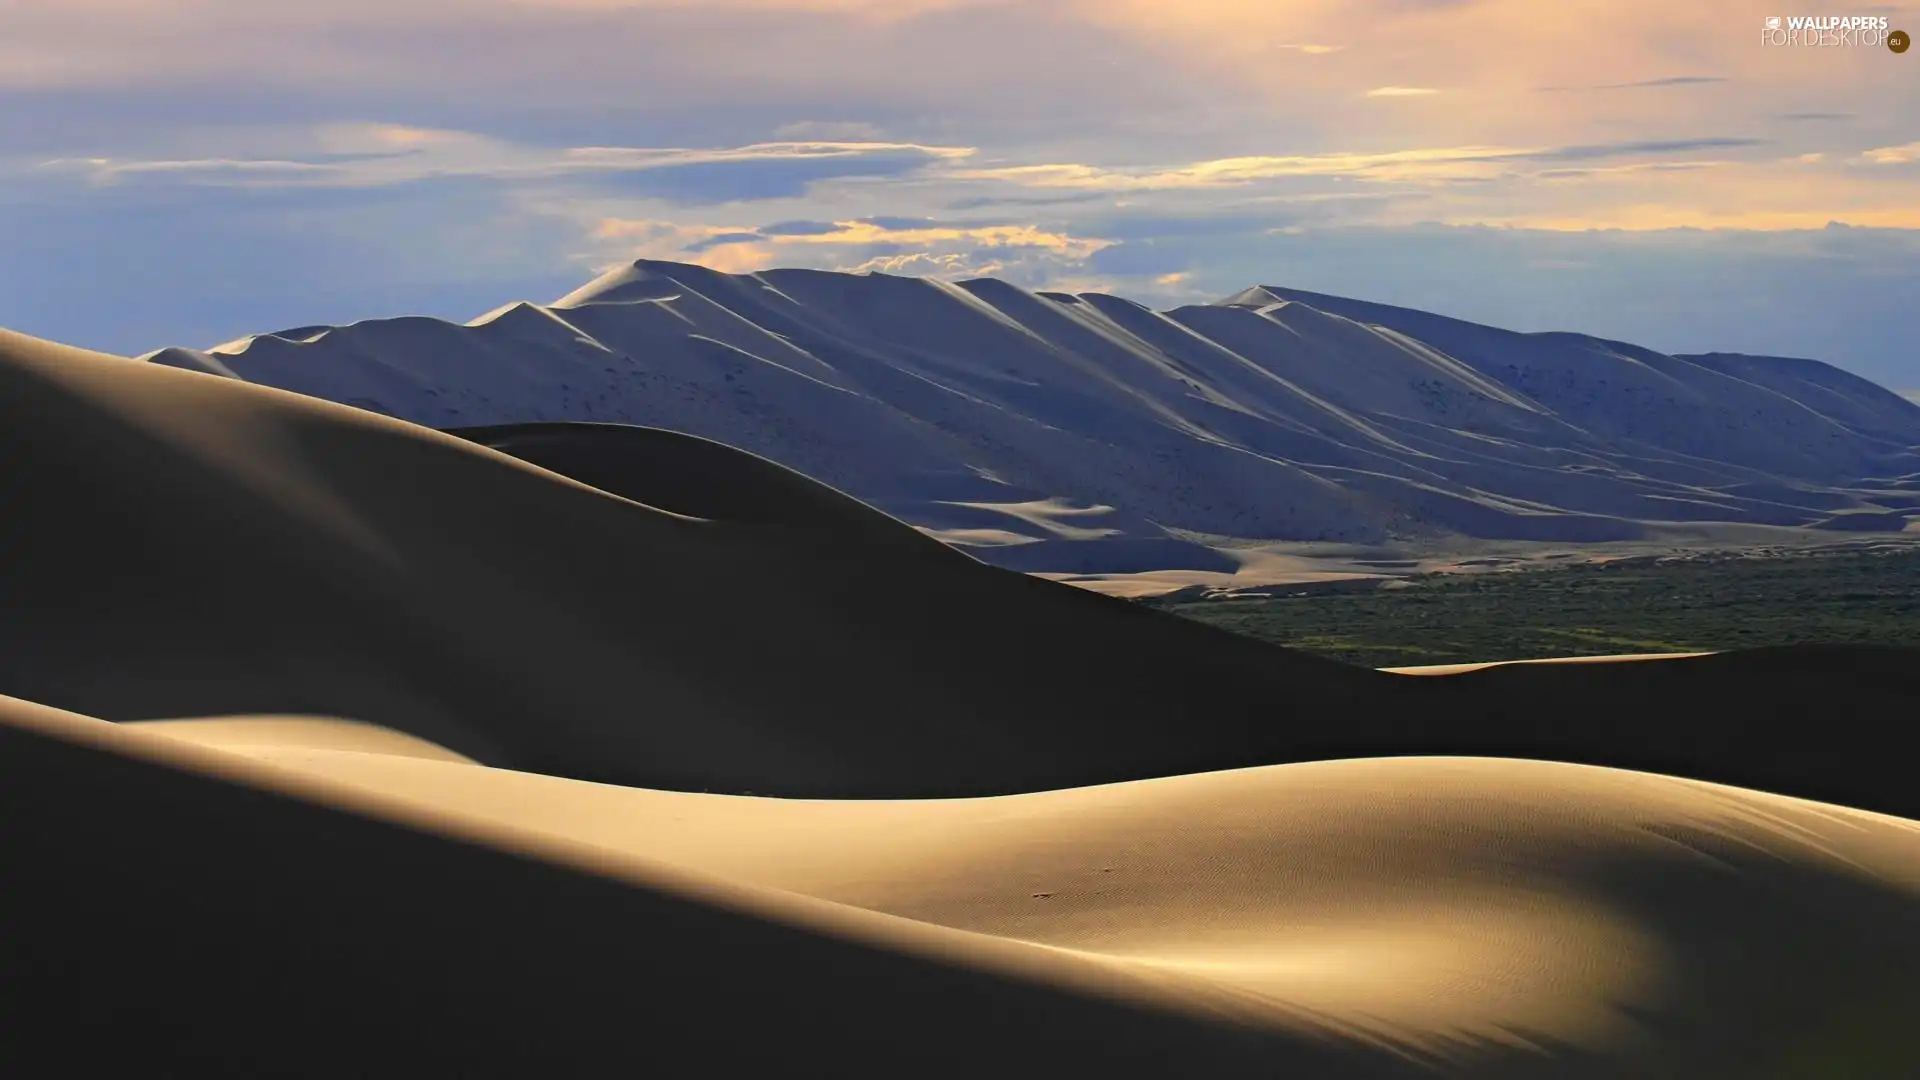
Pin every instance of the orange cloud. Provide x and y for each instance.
(944, 250)
(986, 236)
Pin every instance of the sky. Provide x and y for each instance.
(190, 172)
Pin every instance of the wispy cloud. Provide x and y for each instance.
(382, 155)
(1650, 146)
(203, 170)
(1234, 172)
(1636, 167)
(1401, 91)
(1414, 165)
(1642, 84)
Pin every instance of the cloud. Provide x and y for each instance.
(720, 239)
(889, 244)
(1805, 116)
(1655, 146)
(1424, 164)
(799, 228)
(1231, 172)
(622, 157)
(1401, 91)
(900, 223)
(1640, 84)
(985, 236)
(983, 202)
(1671, 80)
(830, 130)
(1636, 167)
(360, 155)
(729, 249)
(1893, 155)
(212, 171)
(753, 176)
(949, 265)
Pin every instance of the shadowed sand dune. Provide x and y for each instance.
(686, 474)
(273, 901)
(187, 545)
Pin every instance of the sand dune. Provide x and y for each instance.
(1273, 415)
(1389, 917)
(334, 745)
(695, 477)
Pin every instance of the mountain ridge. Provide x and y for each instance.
(1086, 433)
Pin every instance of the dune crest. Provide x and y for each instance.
(266, 734)
(1373, 918)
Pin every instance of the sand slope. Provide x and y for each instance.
(187, 545)
(1275, 414)
(1381, 918)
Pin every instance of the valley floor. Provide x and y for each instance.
(1863, 592)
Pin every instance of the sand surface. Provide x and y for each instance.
(332, 745)
(1385, 917)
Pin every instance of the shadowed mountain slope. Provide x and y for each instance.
(1086, 433)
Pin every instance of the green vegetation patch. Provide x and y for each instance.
(1684, 604)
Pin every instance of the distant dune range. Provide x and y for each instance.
(469, 741)
(1087, 434)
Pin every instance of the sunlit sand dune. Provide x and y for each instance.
(1386, 917)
